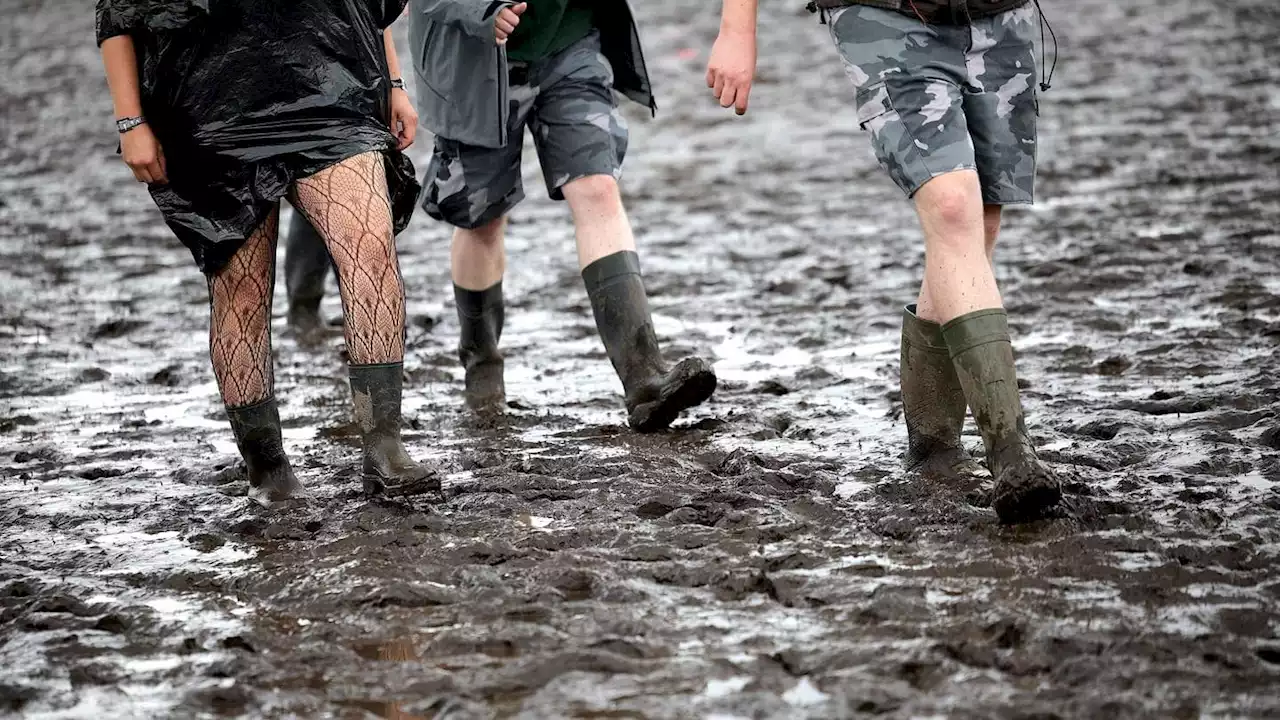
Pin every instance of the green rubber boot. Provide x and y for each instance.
(983, 356)
(388, 469)
(933, 403)
(480, 317)
(257, 431)
(655, 393)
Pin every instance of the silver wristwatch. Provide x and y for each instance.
(124, 125)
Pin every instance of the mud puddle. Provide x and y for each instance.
(766, 559)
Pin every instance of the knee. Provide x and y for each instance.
(487, 235)
(953, 209)
(593, 192)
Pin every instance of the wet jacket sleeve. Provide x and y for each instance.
(129, 17)
(114, 17)
(474, 17)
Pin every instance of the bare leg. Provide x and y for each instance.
(958, 278)
(348, 205)
(240, 348)
(599, 220)
(478, 257)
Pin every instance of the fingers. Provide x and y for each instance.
(141, 174)
(718, 88)
(711, 77)
(729, 95)
(506, 22)
(162, 171)
(408, 131)
(740, 106)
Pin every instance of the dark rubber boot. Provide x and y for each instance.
(933, 403)
(480, 314)
(257, 431)
(388, 469)
(983, 356)
(655, 394)
(306, 265)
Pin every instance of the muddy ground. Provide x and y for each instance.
(765, 559)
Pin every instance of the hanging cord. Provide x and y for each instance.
(1044, 24)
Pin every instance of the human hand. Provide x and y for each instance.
(732, 68)
(144, 156)
(507, 20)
(404, 119)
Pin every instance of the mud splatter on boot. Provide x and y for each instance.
(480, 315)
(388, 469)
(983, 356)
(933, 403)
(306, 266)
(655, 395)
(257, 431)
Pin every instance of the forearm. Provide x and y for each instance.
(393, 61)
(738, 16)
(121, 63)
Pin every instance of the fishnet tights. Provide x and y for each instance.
(240, 318)
(348, 205)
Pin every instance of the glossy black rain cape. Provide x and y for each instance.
(248, 96)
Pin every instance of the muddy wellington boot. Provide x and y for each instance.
(933, 403)
(388, 469)
(983, 358)
(257, 431)
(655, 394)
(306, 266)
(480, 314)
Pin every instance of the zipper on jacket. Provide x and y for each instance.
(504, 107)
(644, 68)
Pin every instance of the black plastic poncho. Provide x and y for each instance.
(248, 96)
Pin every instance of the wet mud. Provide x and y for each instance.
(766, 558)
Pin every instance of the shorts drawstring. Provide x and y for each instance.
(1044, 24)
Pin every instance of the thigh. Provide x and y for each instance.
(577, 127)
(906, 76)
(249, 274)
(1001, 105)
(347, 201)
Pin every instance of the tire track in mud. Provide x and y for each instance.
(767, 558)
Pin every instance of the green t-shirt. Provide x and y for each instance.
(549, 26)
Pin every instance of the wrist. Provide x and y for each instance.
(397, 83)
(125, 124)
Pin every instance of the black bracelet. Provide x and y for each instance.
(124, 125)
(397, 83)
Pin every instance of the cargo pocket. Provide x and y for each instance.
(874, 107)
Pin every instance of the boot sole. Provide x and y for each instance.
(695, 381)
(375, 484)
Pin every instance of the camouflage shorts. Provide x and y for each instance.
(939, 98)
(567, 102)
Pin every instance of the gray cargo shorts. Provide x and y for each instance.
(567, 102)
(940, 98)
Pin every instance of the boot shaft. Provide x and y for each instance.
(376, 392)
(480, 317)
(258, 436)
(621, 309)
(933, 401)
(983, 357)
